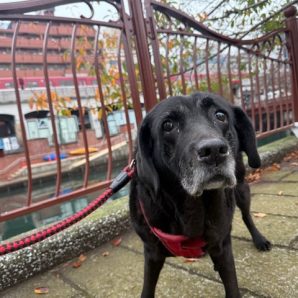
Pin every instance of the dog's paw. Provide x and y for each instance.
(262, 244)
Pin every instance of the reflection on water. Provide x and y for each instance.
(58, 212)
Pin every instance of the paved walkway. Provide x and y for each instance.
(116, 271)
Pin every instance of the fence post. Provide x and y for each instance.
(292, 43)
(146, 71)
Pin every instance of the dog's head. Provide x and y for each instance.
(194, 141)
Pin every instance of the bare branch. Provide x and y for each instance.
(216, 7)
(238, 11)
(269, 17)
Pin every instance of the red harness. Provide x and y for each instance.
(178, 245)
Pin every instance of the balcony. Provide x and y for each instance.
(56, 30)
(34, 59)
(26, 43)
(34, 72)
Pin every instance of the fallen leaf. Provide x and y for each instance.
(105, 254)
(253, 177)
(273, 168)
(82, 258)
(76, 264)
(190, 260)
(280, 193)
(257, 174)
(41, 290)
(79, 261)
(287, 158)
(259, 214)
(291, 156)
(117, 242)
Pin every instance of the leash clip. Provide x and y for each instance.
(132, 164)
(123, 178)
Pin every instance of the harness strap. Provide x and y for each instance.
(178, 245)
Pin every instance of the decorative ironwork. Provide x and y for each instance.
(131, 62)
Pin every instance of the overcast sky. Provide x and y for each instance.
(101, 10)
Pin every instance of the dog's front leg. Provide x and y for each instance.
(224, 264)
(243, 202)
(152, 268)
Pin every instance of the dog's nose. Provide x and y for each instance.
(212, 151)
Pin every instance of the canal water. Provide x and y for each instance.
(45, 190)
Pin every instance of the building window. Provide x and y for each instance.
(40, 127)
(8, 85)
(7, 125)
(32, 84)
(7, 133)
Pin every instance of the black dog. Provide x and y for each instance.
(189, 173)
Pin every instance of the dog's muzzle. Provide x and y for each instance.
(209, 166)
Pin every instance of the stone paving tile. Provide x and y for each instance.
(271, 274)
(280, 265)
(57, 288)
(133, 242)
(293, 178)
(275, 204)
(120, 274)
(276, 175)
(275, 188)
(279, 230)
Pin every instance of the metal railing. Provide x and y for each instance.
(255, 74)
(148, 53)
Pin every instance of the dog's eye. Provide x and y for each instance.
(167, 125)
(220, 116)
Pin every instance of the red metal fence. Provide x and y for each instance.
(143, 55)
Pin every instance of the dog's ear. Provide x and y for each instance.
(145, 166)
(247, 137)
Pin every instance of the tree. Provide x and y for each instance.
(236, 18)
(110, 89)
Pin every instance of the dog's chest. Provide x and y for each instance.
(193, 217)
(219, 208)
